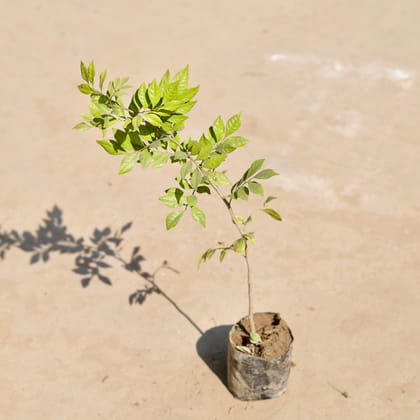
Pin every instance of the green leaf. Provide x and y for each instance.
(222, 255)
(164, 81)
(206, 256)
(172, 198)
(239, 219)
(154, 93)
(91, 72)
(250, 236)
(159, 159)
(171, 92)
(82, 126)
(116, 87)
(136, 121)
(183, 183)
(186, 169)
(147, 133)
(169, 201)
(87, 117)
(84, 72)
(196, 178)
(178, 195)
(170, 107)
(242, 193)
(146, 158)
(219, 178)
(140, 96)
(98, 122)
(256, 188)
(272, 213)
(203, 189)
(193, 147)
(174, 143)
(198, 215)
(174, 123)
(178, 156)
(154, 120)
(185, 108)
(268, 199)
(98, 110)
(111, 88)
(108, 122)
(111, 147)
(173, 218)
(255, 338)
(188, 94)
(122, 83)
(231, 144)
(102, 78)
(182, 78)
(239, 246)
(192, 200)
(253, 169)
(135, 140)
(233, 124)
(205, 147)
(127, 123)
(266, 173)
(86, 89)
(217, 130)
(214, 161)
(128, 162)
(123, 139)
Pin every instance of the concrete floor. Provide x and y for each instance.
(329, 92)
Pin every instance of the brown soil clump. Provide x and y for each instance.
(275, 334)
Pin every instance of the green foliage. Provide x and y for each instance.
(128, 162)
(173, 218)
(147, 131)
(272, 213)
(233, 124)
(198, 215)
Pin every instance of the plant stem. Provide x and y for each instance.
(250, 293)
(248, 270)
(228, 205)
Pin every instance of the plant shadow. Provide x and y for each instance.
(212, 348)
(93, 255)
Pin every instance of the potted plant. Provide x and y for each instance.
(146, 130)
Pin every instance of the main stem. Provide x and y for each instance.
(250, 293)
(228, 205)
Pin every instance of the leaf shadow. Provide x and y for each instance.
(92, 255)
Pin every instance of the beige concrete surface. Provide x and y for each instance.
(329, 92)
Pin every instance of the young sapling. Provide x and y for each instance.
(146, 130)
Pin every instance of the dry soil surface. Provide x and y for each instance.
(330, 94)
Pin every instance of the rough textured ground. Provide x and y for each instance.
(329, 92)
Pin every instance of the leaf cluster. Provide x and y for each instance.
(147, 132)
